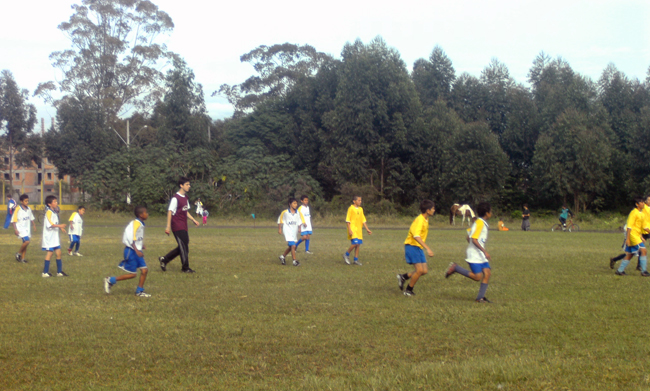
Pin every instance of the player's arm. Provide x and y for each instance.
(478, 245)
(627, 237)
(419, 240)
(169, 222)
(367, 229)
(349, 229)
(192, 218)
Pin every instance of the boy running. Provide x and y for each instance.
(414, 247)
(355, 221)
(133, 239)
(21, 218)
(477, 256)
(305, 230)
(177, 215)
(75, 230)
(51, 242)
(636, 226)
(289, 223)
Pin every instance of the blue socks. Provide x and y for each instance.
(481, 291)
(356, 259)
(139, 289)
(624, 264)
(462, 271)
(643, 260)
(59, 266)
(347, 253)
(298, 243)
(307, 245)
(112, 280)
(77, 247)
(46, 267)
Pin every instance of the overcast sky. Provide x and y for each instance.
(212, 35)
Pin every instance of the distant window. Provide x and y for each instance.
(40, 178)
(49, 175)
(39, 165)
(7, 177)
(17, 176)
(6, 160)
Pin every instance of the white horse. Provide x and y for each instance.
(459, 210)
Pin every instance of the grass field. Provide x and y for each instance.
(560, 319)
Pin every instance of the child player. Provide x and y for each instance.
(51, 242)
(305, 230)
(21, 218)
(477, 256)
(133, 239)
(355, 221)
(75, 230)
(636, 226)
(414, 247)
(289, 223)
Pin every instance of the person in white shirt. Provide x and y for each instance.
(75, 230)
(20, 219)
(289, 224)
(51, 242)
(306, 229)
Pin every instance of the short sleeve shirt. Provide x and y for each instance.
(306, 215)
(134, 233)
(419, 228)
(636, 222)
(479, 231)
(50, 232)
(290, 224)
(76, 226)
(23, 218)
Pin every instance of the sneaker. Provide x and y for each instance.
(163, 265)
(142, 294)
(62, 274)
(23, 261)
(46, 275)
(77, 254)
(18, 257)
(450, 270)
(296, 263)
(107, 285)
(620, 273)
(358, 263)
(346, 258)
(645, 274)
(400, 282)
(69, 252)
(188, 270)
(308, 252)
(409, 292)
(282, 260)
(483, 300)
(612, 262)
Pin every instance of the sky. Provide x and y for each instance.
(211, 36)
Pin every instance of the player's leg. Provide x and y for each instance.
(643, 260)
(173, 253)
(346, 256)
(46, 264)
(356, 254)
(420, 270)
(625, 262)
(23, 250)
(59, 263)
(307, 238)
(71, 237)
(183, 240)
(77, 244)
(484, 283)
(143, 276)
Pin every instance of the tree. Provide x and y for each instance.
(433, 79)
(17, 117)
(497, 81)
(279, 67)
(115, 58)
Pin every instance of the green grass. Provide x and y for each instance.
(560, 319)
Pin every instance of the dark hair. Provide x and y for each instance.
(483, 209)
(81, 207)
(291, 200)
(49, 199)
(23, 197)
(10, 196)
(525, 205)
(355, 197)
(637, 200)
(139, 210)
(302, 197)
(182, 180)
(426, 205)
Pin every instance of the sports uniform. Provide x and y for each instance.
(306, 216)
(179, 205)
(51, 239)
(23, 218)
(413, 251)
(356, 218)
(290, 225)
(474, 256)
(75, 231)
(133, 238)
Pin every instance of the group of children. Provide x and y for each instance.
(295, 222)
(637, 231)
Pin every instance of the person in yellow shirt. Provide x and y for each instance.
(414, 247)
(637, 225)
(355, 221)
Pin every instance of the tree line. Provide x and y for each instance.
(307, 122)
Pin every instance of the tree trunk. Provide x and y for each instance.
(381, 187)
(11, 166)
(576, 202)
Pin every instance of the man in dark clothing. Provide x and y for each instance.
(525, 222)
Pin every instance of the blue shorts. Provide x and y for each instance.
(305, 233)
(414, 254)
(291, 243)
(132, 262)
(478, 267)
(356, 241)
(51, 249)
(25, 239)
(634, 249)
(74, 238)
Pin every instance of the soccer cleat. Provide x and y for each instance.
(346, 258)
(18, 257)
(163, 265)
(23, 261)
(70, 252)
(308, 252)
(142, 294)
(188, 270)
(620, 273)
(62, 274)
(612, 262)
(77, 254)
(450, 270)
(483, 300)
(645, 274)
(358, 263)
(107, 285)
(282, 259)
(400, 282)
(46, 275)
(296, 263)
(409, 292)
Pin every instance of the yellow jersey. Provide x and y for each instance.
(636, 222)
(356, 218)
(419, 228)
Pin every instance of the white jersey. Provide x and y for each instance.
(479, 231)
(134, 233)
(199, 208)
(23, 218)
(306, 215)
(76, 224)
(290, 224)
(50, 233)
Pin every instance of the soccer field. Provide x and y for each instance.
(560, 318)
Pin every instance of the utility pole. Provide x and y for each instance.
(128, 146)
(208, 133)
